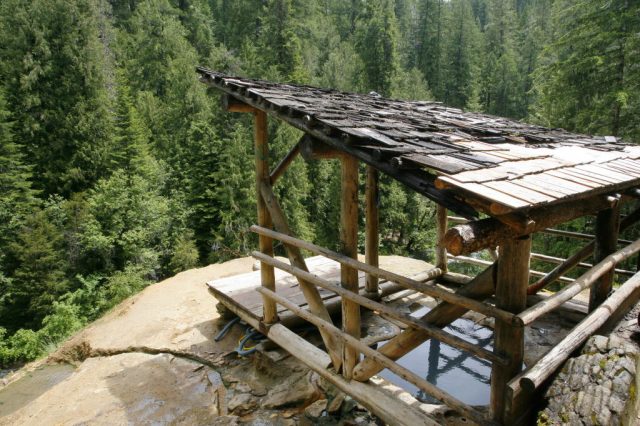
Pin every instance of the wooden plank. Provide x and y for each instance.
(442, 163)
(487, 193)
(525, 194)
(537, 186)
(570, 177)
(569, 187)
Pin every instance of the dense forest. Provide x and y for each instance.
(110, 148)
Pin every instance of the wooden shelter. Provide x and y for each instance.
(523, 179)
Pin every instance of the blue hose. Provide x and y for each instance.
(226, 329)
(250, 334)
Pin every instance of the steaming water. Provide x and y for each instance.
(457, 372)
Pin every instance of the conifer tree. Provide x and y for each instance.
(376, 41)
(461, 63)
(589, 77)
(16, 196)
(52, 65)
(430, 48)
(500, 80)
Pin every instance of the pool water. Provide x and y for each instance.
(460, 374)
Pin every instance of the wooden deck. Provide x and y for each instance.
(238, 292)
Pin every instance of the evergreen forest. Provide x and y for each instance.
(118, 168)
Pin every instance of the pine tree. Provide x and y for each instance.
(16, 196)
(52, 64)
(376, 40)
(430, 48)
(500, 80)
(461, 48)
(589, 76)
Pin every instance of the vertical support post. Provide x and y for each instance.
(372, 196)
(607, 226)
(267, 276)
(511, 295)
(349, 243)
(441, 229)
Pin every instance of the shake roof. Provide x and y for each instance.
(465, 161)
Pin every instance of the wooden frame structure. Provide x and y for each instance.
(526, 179)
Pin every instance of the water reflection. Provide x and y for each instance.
(457, 372)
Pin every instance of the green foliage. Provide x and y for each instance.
(376, 38)
(185, 254)
(117, 169)
(592, 61)
(54, 69)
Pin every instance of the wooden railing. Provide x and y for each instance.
(626, 295)
(350, 296)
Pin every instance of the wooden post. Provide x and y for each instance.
(511, 295)
(349, 243)
(607, 226)
(270, 313)
(310, 292)
(441, 230)
(371, 232)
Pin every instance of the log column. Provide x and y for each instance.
(371, 232)
(270, 313)
(511, 295)
(607, 227)
(441, 230)
(349, 246)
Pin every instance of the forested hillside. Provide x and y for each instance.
(117, 168)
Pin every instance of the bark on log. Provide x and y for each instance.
(489, 233)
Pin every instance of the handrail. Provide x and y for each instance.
(433, 331)
(480, 262)
(533, 377)
(396, 368)
(588, 278)
(430, 290)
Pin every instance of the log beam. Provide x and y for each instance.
(349, 248)
(314, 149)
(231, 104)
(580, 284)
(626, 295)
(578, 257)
(372, 195)
(489, 233)
(401, 371)
(284, 164)
(607, 227)
(511, 295)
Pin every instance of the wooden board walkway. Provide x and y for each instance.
(238, 292)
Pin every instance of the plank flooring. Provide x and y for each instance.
(239, 290)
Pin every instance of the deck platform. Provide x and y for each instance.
(238, 292)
